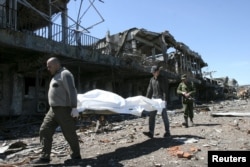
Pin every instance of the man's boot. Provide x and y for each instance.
(185, 123)
(191, 122)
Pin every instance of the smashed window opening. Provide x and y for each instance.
(30, 87)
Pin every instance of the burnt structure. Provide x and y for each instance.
(119, 63)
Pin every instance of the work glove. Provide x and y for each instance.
(74, 113)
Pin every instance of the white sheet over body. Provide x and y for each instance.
(100, 100)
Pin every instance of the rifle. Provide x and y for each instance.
(190, 98)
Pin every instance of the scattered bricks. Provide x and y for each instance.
(173, 150)
(104, 141)
(180, 154)
(194, 149)
(187, 155)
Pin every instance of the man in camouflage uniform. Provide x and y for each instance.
(187, 90)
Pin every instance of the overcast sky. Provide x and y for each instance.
(219, 30)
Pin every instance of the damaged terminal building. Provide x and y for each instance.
(119, 63)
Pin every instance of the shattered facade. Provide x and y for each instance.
(119, 63)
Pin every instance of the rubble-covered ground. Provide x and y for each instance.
(120, 142)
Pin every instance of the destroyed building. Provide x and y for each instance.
(119, 63)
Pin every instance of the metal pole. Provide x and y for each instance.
(50, 22)
(10, 12)
(15, 14)
(64, 24)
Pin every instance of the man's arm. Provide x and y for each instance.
(179, 90)
(165, 89)
(149, 90)
(68, 81)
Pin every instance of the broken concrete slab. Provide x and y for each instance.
(232, 114)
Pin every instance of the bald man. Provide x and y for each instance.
(62, 96)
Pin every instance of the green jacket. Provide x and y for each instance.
(186, 88)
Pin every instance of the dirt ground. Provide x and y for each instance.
(122, 143)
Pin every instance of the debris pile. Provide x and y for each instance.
(118, 141)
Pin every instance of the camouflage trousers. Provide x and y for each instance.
(188, 110)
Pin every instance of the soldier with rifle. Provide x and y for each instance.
(187, 90)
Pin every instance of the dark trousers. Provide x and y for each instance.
(164, 118)
(59, 116)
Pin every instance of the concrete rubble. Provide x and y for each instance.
(118, 63)
(118, 141)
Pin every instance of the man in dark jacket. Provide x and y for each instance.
(157, 89)
(62, 96)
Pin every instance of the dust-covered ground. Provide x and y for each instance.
(122, 143)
